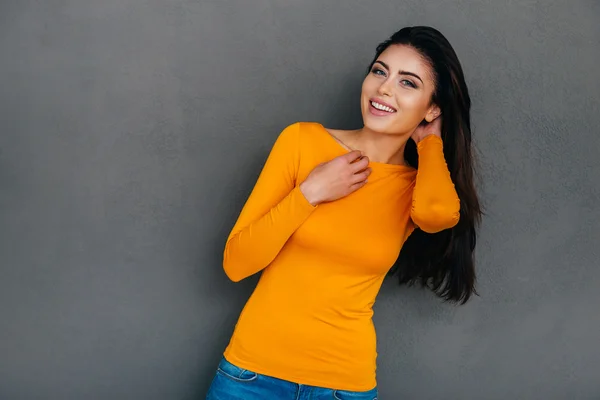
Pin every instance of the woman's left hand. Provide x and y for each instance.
(425, 129)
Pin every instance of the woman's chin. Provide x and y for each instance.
(377, 124)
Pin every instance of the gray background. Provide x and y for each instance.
(131, 133)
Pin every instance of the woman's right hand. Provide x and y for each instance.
(336, 178)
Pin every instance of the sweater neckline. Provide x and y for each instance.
(373, 164)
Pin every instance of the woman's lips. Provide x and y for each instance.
(380, 109)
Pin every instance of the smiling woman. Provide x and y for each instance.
(394, 88)
(331, 213)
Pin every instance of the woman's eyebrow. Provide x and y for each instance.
(401, 72)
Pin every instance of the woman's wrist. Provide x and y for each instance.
(309, 193)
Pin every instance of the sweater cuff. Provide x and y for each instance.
(299, 200)
(430, 140)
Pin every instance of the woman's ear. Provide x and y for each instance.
(433, 112)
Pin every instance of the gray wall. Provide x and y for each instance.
(131, 133)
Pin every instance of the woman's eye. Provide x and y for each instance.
(377, 71)
(406, 82)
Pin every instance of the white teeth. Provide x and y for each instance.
(382, 107)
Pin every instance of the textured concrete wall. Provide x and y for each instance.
(131, 133)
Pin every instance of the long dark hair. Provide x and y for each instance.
(443, 261)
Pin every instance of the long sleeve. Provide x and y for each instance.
(435, 203)
(273, 212)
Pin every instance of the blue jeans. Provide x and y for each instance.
(234, 383)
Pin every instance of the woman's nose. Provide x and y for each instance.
(385, 89)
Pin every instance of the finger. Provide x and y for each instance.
(358, 185)
(351, 156)
(361, 176)
(359, 165)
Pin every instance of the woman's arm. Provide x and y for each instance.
(435, 203)
(273, 212)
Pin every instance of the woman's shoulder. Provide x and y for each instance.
(303, 132)
(317, 131)
(308, 140)
(304, 127)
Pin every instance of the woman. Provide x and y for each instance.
(331, 213)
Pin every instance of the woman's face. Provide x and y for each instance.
(396, 94)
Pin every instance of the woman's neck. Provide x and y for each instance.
(380, 147)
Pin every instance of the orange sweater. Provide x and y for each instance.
(309, 319)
